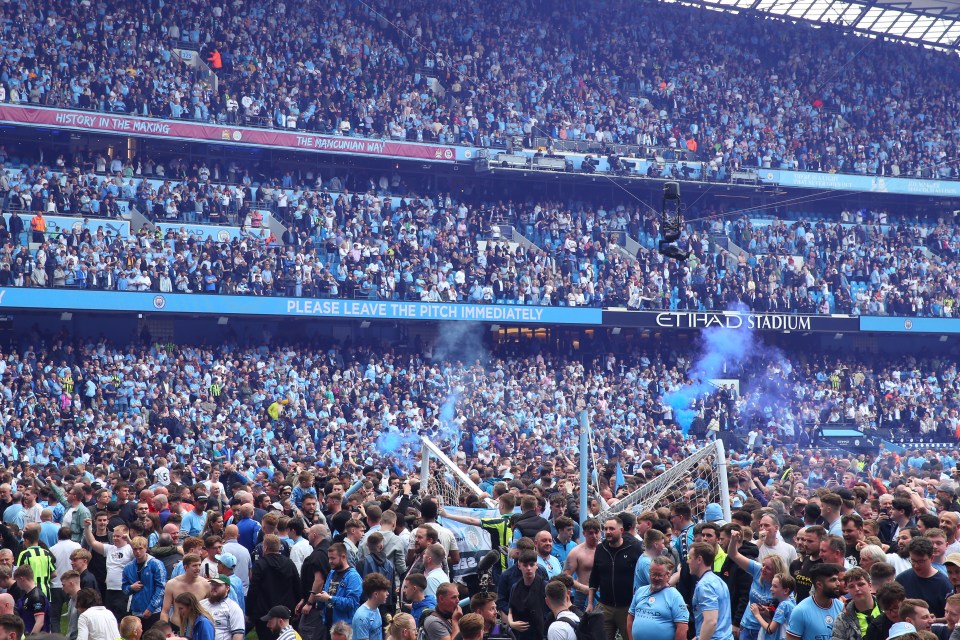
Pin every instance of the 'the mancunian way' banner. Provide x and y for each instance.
(185, 130)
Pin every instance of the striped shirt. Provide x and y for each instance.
(43, 564)
(288, 634)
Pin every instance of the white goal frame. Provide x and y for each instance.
(440, 476)
(668, 487)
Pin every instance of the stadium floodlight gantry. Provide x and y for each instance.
(933, 23)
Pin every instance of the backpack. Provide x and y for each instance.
(590, 626)
(421, 632)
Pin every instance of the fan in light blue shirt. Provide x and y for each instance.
(712, 594)
(367, 624)
(809, 621)
(550, 564)
(656, 614)
(641, 575)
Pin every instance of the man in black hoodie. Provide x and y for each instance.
(614, 564)
(273, 581)
(738, 581)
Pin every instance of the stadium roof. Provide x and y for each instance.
(934, 23)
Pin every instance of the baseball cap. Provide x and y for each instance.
(227, 559)
(898, 629)
(948, 487)
(222, 579)
(952, 558)
(713, 512)
(113, 505)
(283, 613)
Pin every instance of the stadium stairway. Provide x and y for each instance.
(138, 220)
(723, 241)
(632, 246)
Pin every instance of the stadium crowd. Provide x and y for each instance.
(255, 487)
(435, 248)
(158, 490)
(359, 69)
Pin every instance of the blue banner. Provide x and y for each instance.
(214, 232)
(909, 325)
(893, 448)
(148, 302)
(868, 184)
(66, 224)
(473, 542)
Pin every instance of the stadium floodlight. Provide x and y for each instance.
(671, 223)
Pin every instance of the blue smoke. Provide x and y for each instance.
(391, 442)
(458, 344)
(735, 352)
(723, 349)
(449, 429)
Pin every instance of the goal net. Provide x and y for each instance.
(698, 480)
(441, 477)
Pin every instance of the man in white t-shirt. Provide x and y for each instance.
(161, 475)
(118, 555)
(214, 481)
(31, 508)
(558, 600)
(301, 548)
(771, 544)
(429, 510)
(61, 555)
(228, 623)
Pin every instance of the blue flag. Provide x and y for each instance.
(619, 481)
(895, 448)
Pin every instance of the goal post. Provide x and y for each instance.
(440, 476)
(707, 468)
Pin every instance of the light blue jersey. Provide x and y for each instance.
(712, 594)
(367, 624)
(655, 615)
(811, 622)
(782, 617)
(759, 594)
(641, 575)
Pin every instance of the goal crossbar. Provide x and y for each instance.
(669, 487)
(439, 475)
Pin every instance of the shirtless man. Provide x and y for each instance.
(580, 561)
(190, 582)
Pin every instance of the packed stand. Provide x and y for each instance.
(148, 396)
(161, 490)
(524, 72)
(852, 268)
(435, 249)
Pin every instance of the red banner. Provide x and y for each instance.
(127, 125)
